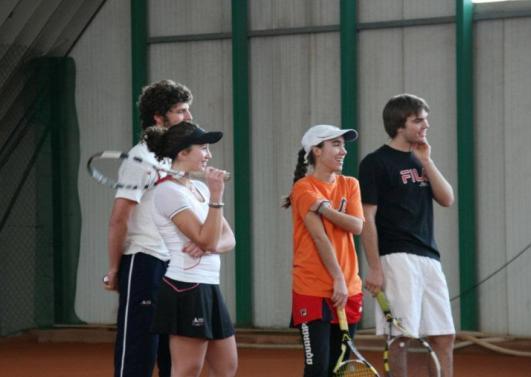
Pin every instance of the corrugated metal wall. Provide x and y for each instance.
(103, 58)
(294, 83)
(503, 100)
(103, 91)
(384, 10)
(205, 67)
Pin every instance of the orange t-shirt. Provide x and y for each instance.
(310, 276)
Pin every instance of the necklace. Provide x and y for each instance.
(187, 183)
(193, 190)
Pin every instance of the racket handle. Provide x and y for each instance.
(384, 304)
(342, 319)
(201, 175)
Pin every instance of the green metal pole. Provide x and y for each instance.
(138, 58)
(242, 162)
(349, 84)
(465, 158)
(349, 79)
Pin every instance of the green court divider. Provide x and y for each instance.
(242, 163)
(349, 78)
(56, 75)
(139, 59)
(466, 155)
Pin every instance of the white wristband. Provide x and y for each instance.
(324, 204)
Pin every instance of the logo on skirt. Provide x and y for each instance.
(198, 322)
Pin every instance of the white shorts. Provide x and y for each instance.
(417, 292)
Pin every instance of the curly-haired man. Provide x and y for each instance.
(137, 255)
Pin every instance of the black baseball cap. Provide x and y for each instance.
(197, 137)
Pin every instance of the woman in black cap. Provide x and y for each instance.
(191, 308)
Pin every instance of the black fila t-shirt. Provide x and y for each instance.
(394, 181)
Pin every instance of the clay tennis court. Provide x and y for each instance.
(54, 353)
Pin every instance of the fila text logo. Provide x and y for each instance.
(412, 175)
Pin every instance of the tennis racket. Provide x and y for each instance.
(357, 365)
(421, 359)
(105, 166)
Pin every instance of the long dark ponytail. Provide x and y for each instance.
(300, 171)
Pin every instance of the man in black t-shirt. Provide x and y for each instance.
(398, 184)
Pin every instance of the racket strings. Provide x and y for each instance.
(354, 368)
(419, 362)
(418, 359)
(119, 170)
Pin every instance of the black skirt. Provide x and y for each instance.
(192, 309)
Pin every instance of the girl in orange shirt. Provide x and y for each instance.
(327, 212)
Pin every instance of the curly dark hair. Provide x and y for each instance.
(398, 109)
(159, 97)
(165, 142)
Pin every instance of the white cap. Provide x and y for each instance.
(322, 132)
